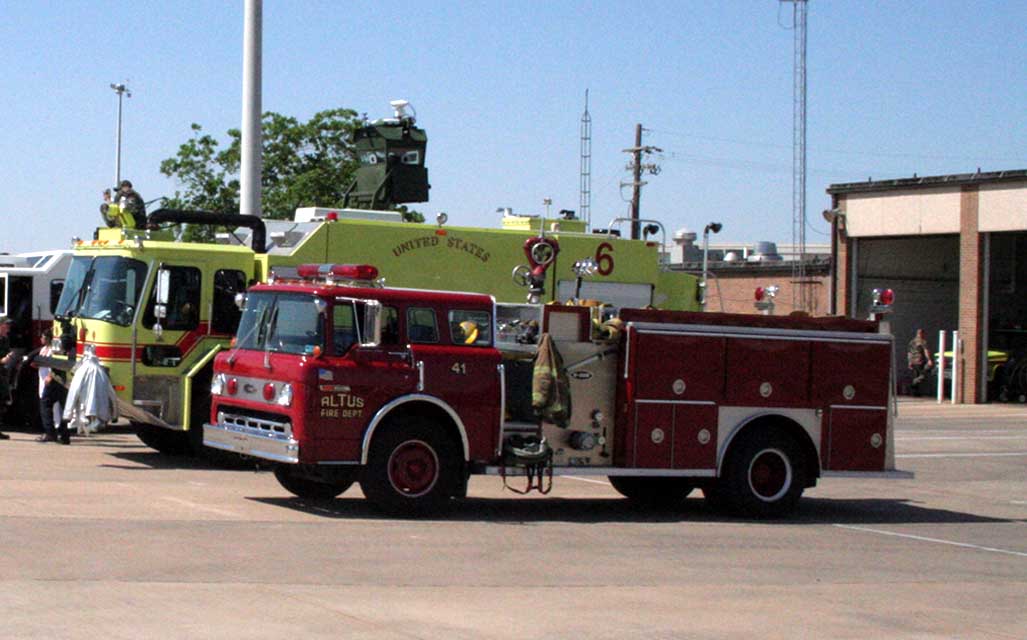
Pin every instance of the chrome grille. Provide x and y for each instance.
(256, 426)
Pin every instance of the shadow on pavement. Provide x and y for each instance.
(145, 458)
(815, 511)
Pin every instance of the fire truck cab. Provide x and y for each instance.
(338, 380)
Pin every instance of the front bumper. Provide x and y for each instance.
(256, 437)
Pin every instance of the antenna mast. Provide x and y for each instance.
(585, 202)
(801, 292)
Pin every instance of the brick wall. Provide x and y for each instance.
(735, 288)
(970, 280)
(841, 264)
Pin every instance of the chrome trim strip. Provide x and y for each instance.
(763, 333)
(606, 471)
(859, 407)
(380, 415)
(627, 347)
(644, 401)
(502, 406)
(420, 375)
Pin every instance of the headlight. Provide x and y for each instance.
(217, 385)
(285, 396)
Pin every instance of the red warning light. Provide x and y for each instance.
(887, 297)
(760, 294)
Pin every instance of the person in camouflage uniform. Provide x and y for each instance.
(6, 365)
(132, 202)
(918, 356)
(127, 200)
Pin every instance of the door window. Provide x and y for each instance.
(421, 325)
(56, 288)
(225, 313)
(184, 306)
(471, 328)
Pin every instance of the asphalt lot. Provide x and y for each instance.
(107, 539)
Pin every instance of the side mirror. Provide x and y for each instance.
(163, 286)
(372, 335)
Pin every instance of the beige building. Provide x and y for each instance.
(954, 250)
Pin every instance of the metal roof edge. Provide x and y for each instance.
(956, 179)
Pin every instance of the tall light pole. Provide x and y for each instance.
(122, 91)
(715, 227)
(252, 151)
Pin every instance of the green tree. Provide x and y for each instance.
(304, 164)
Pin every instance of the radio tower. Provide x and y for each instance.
(802, 297)
(585, 202)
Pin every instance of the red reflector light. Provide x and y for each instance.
(269, 392)
(355, 271)
(887, 297)
(119, 387)
(340, 271)
(760, 293)
(308, 270)
(233, 386)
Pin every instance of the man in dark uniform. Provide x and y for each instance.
(6, 367)
(132, 202)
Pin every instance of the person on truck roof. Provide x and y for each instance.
(129, 202)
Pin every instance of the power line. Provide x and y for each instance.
(819, 150)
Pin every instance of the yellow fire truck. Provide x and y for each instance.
(152, 311)
(155, 310)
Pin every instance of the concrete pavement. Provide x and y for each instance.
(106, 539)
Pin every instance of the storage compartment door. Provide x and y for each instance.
(855, 439)
(651, 440)
(695, 436)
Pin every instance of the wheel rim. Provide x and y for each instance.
(770, 475)
(413, 468)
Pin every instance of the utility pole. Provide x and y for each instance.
(637, 167)
(251, 164)
(122, 91)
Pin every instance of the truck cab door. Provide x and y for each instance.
(459, 368)
(355, 378)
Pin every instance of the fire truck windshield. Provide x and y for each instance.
(286, 322)
(106, 288)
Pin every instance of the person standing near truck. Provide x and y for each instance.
(919, 358)
(6, 366)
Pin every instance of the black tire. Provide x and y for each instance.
(300, 485)
(168, 442)
(413, 468)
(764, 477)
(650, 491)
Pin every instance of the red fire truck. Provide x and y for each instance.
(409, 392)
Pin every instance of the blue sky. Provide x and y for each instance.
(894, 88)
